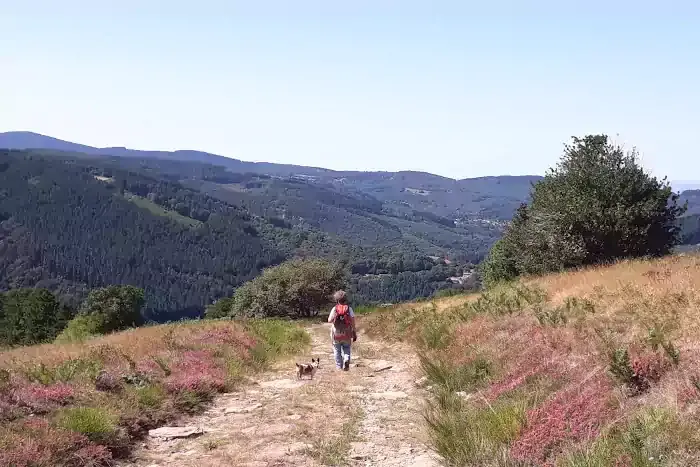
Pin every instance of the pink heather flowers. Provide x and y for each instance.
(41, 398)
(573, 415)
(36, 443)
(196, 371)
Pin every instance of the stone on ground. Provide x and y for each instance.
(172, 432)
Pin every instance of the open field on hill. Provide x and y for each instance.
(598, 367)
(591, 368)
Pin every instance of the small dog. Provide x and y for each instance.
(308, 368)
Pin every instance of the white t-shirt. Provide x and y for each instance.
(331, 317)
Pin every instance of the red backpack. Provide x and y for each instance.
(342, 323)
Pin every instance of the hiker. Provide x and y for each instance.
(343, 332)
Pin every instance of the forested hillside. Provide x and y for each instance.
(190, 232)
(482, 198)
(70, 222)
(66, 229)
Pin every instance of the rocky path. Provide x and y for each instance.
(369, 416)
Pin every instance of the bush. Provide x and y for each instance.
(466, 377)
(96, 424)
(30, 316)
(278, 337)
(597, 206)
(466, 434)
(80, 328)
(112, 309)
(296, 288)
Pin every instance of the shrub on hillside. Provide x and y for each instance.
(296, 288)
(80, 328)
(106, 310)
(596, 206)
(30, 316)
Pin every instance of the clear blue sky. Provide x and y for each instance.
(456, 88)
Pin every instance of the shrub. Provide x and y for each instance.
(465, 377)
(96, 424)
(652, 437)
(35, 443)
(573, 415)
(42, 398)
(296, 288)
(573, 307)
(505, 299)
(596, 206)
(81, 328)
(151, 396)
(196, 372)
(467, 434)
(113, 308)
(277, 338)
(639, 372)
(30, 316)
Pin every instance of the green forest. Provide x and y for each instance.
(191, 233)
(70, 223)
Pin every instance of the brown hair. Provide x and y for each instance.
(340, 297)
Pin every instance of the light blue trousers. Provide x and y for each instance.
(341, 352)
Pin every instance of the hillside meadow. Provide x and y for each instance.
(85, 404)
(598, 367)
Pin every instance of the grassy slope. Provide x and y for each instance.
(85, 404)
(159, 211)
(592, 368)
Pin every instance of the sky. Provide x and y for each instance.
(457, 88)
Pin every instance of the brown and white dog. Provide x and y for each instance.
(308, 368)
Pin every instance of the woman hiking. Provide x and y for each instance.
(343, 332)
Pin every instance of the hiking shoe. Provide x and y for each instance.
(346, 366)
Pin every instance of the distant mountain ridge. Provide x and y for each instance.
(491, 197)
(31, 140)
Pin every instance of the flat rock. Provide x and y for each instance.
(172, 432)
(241, 408)
(356, 388)
(391, 395)
(282, 384)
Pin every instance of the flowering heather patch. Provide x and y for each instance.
(196, 371)
(572, 415)
(38, 396)
(512, 381)
(148, 366)
(35, 443)
(649, 366)
(130, 382)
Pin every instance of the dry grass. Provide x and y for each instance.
(584, 356)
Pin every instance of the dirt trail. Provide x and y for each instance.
(363, 417)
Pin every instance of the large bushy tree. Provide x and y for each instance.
(597, 205)
(30, 316)
(296, 288)
(115, 307)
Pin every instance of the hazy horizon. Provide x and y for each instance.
(456, 89)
